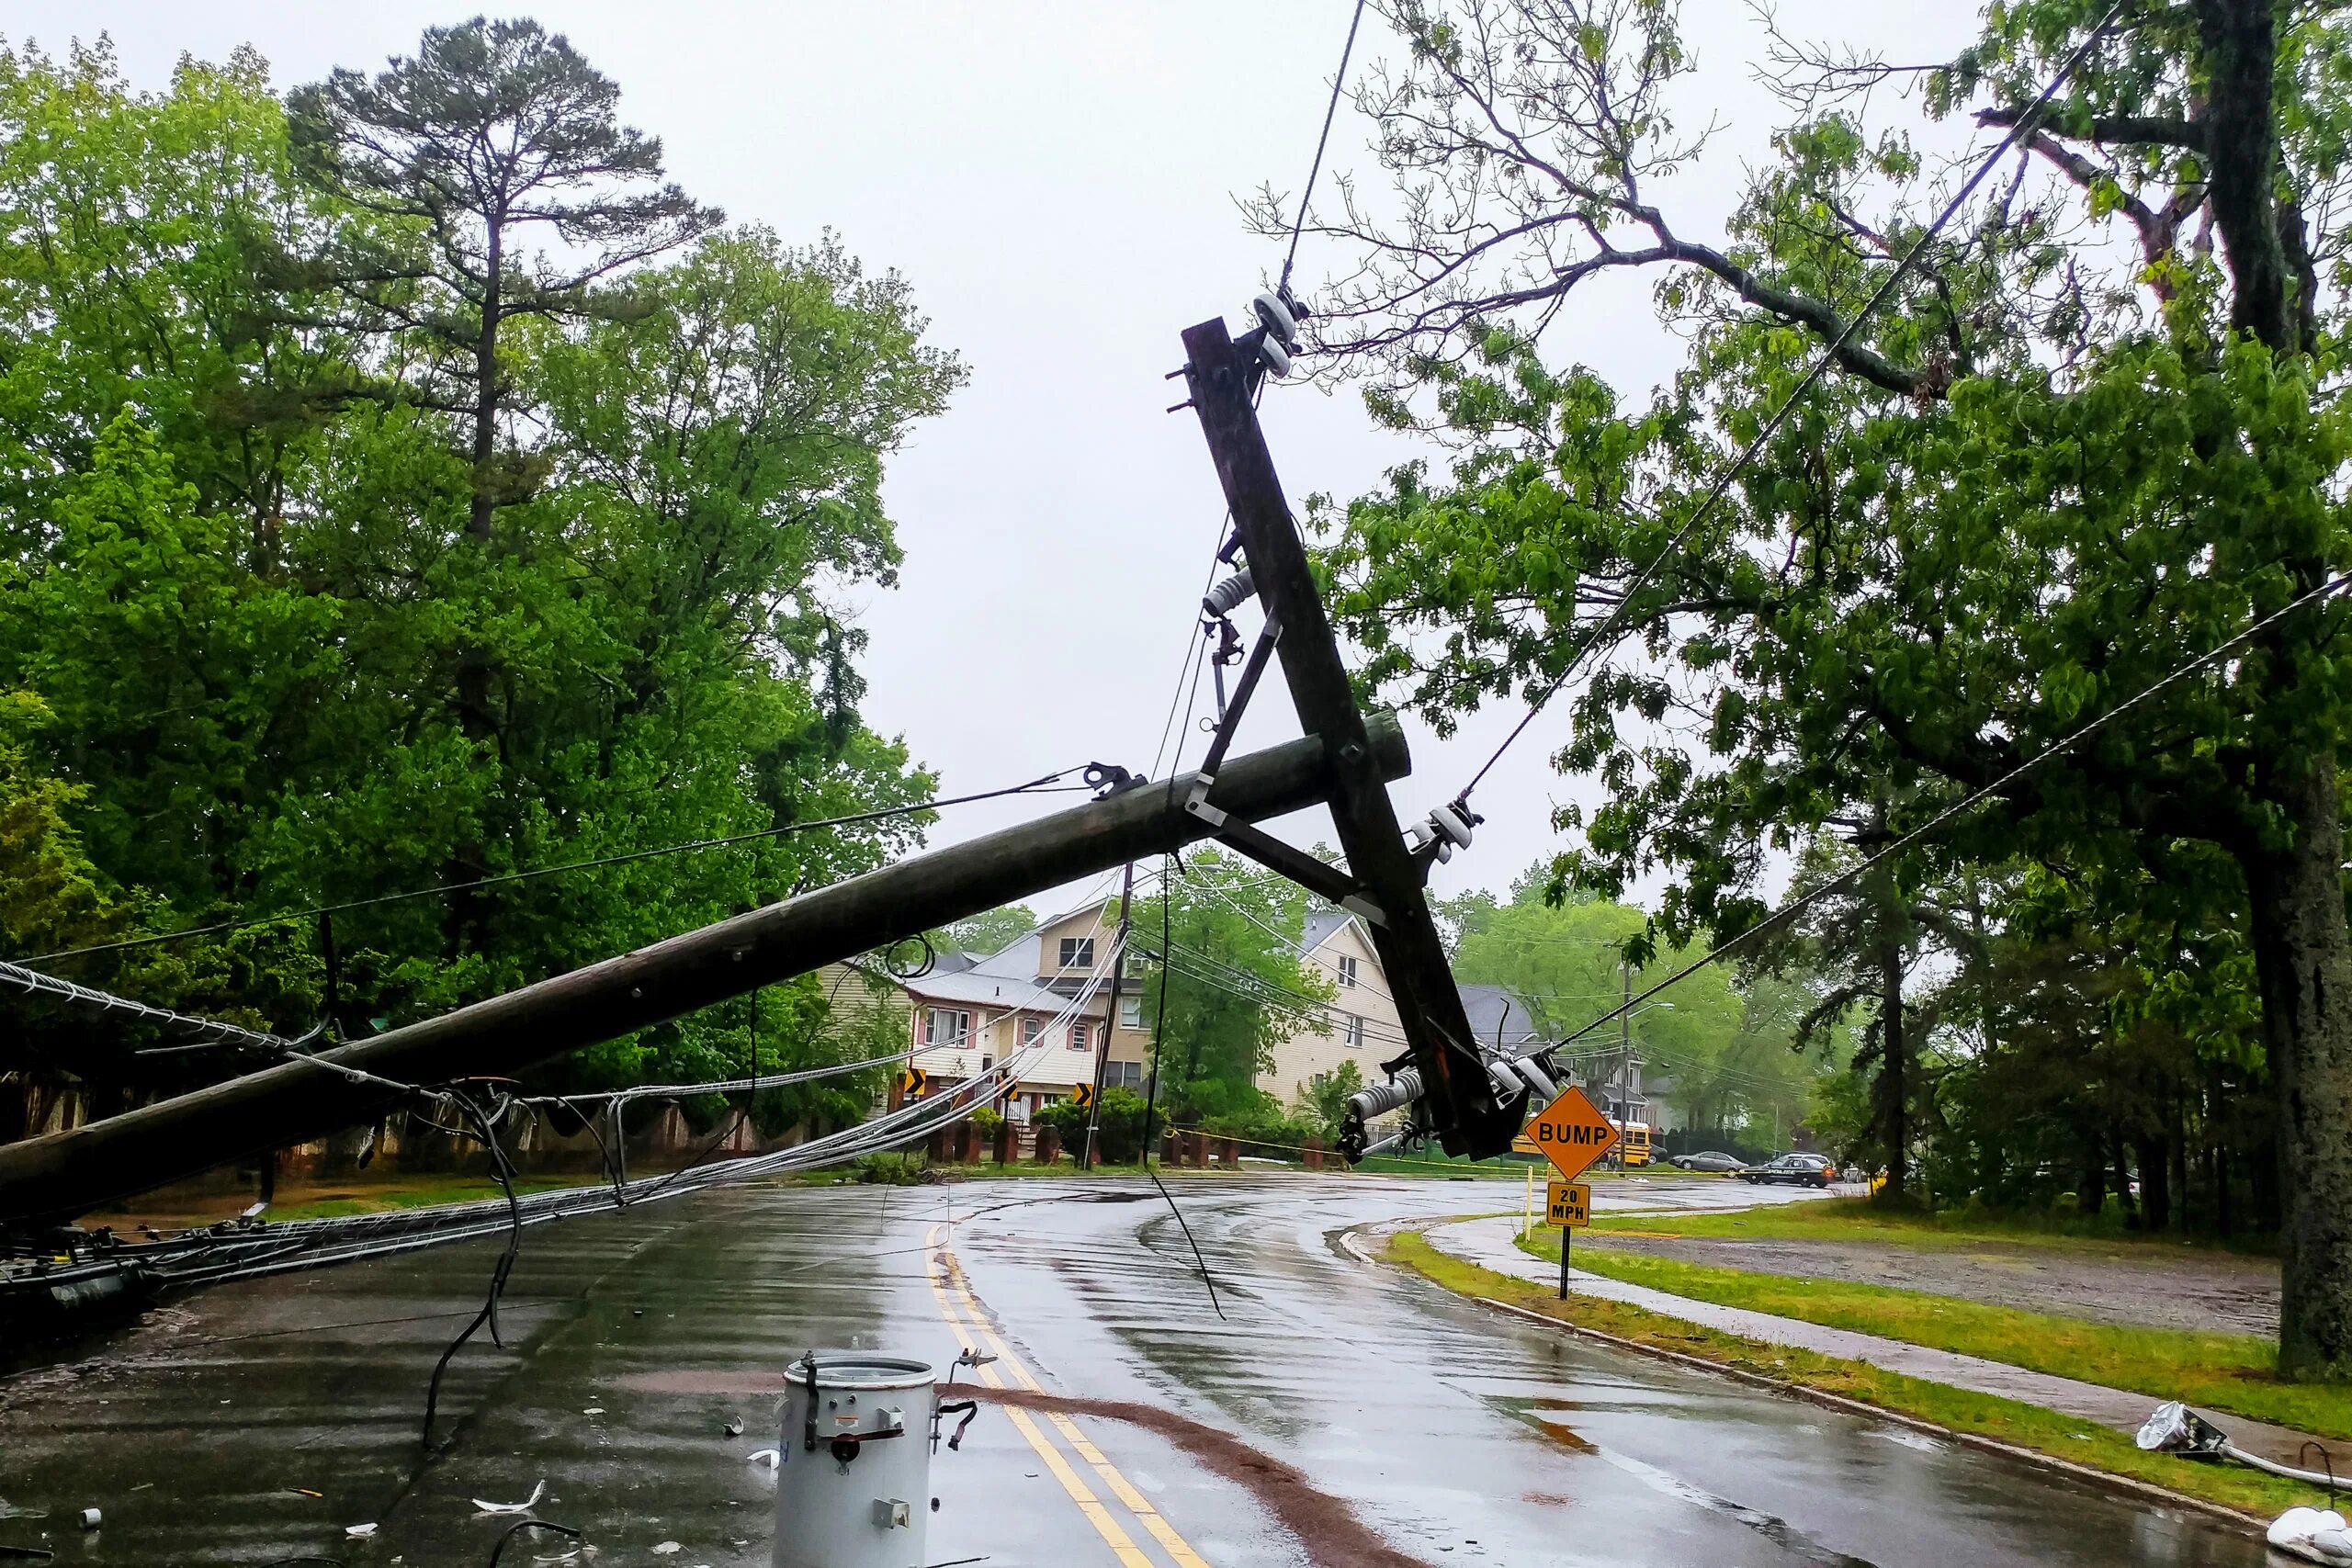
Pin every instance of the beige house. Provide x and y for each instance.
(966, 1015)
(1359, 1024)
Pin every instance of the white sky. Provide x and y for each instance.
(1056, 180)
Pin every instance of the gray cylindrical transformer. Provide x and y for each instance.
(853, 1487)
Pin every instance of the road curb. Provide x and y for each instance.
(2107, 1480)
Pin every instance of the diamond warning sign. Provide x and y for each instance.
(1571, 1133)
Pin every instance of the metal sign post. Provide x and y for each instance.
(1567, 1204)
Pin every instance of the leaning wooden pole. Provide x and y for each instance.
(65, 1174)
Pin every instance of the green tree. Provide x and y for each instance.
(2035, 482)
(239, 577)
(490, 130)
(1323, 1101)
(1571, 961)
(989, 932)
(1233, 983)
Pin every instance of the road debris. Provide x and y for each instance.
(2315, 1535)
(525, 1506)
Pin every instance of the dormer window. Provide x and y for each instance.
(1078, 953)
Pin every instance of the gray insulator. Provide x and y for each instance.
(1225, 596)
(1383, 1098)
(1280, 324)
(1537, 1079)
(1277, 357)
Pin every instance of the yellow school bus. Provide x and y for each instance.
(1632, 1142)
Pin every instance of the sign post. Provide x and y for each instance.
(1567, 1204)
(1572, 1133)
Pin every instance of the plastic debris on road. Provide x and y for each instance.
(2315, 1535)
(525, 1506)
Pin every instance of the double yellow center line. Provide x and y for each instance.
(964, 1313)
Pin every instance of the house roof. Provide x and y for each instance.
(1322, 925)
(1008, 977)
(974, 988)
(1493, 1009)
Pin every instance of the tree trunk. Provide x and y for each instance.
(2223, 1217)
(470, 860)
(2090, 1191)
(2303, 961)
(486, 387)
(2177, 1154)
(2239, 41)
(2264, 1159)
(1893, 1089)
(2156, 1184)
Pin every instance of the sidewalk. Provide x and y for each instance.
(1490, 1244)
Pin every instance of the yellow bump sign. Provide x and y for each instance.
(1568, 1203)
(1571, 1133)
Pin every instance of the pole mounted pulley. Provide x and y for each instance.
(1447, 828)
(1276, 337)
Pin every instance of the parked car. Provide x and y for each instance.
(1709, 1159)
(1793, 1171)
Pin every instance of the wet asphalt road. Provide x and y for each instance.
(1460, 1435)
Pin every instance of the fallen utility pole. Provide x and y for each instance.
(1462, 1105)
(65, 1174)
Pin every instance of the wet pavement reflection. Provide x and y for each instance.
(257, 1422)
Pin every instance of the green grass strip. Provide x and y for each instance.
(2235, 1372)
(1959, 1410)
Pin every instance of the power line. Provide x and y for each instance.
(1298, 224)
(1035, 786)
(2020, 128)
(1796, 907)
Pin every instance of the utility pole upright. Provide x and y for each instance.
(1111, 1015)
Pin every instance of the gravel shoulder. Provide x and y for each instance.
(2218, 1293)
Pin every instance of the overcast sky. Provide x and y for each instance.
(1057, 181)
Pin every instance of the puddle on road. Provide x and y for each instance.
(1528, 1411)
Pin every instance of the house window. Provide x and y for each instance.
(1347, 970)
(1030, 1029)
(1122, 1075)
(1130, 1012)
(947, 1026)
(1352, 1030)
(987, 1062)
(1078, 953)
(1080, 1037)
(1132, 963)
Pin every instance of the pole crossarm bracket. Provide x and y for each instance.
(1325, 881)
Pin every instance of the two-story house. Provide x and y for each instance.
(1361, 1023)
(967, 1013)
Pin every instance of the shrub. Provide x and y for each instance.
(893, 1170)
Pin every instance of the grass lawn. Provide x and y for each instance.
(2219, 1372)
(1852, 1219)
(2009, 1421)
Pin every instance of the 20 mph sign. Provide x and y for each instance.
(1571, 1133)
